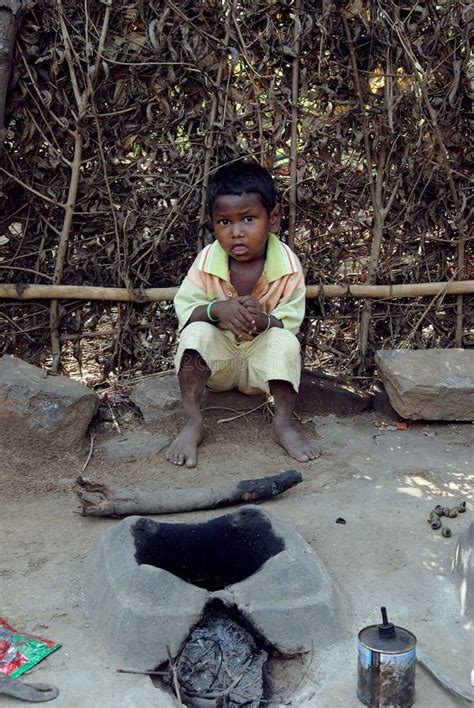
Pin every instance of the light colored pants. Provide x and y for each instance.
(245, 365)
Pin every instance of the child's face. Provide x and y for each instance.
(242, 225)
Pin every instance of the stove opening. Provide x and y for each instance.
(211, 555)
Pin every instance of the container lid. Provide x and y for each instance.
(386, 637)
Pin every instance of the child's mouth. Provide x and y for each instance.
(239, 250)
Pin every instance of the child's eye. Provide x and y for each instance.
(249, 219)
(223, 222)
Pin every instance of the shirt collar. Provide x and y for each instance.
(280, 260)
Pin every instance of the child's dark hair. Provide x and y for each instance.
(242, 177)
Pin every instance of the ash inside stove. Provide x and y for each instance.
(220, 664)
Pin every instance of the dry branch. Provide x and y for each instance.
(100, 500)
(295, 77)
(8, 26)
(209, 141)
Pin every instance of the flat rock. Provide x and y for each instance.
(320, 394)
(380, 403)
(157, 397)
(232, 400)
(429, 384)
(38, 409)
(148, 583)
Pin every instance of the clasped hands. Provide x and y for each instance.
(242, 315)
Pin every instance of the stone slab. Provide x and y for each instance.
(320, 394)
(139, 609)
(429, 384)
(159, 397)
(39, 409)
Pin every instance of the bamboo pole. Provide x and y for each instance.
(10, 291)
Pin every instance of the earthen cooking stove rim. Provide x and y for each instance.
(139, 610)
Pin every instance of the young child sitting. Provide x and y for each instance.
(239, 310)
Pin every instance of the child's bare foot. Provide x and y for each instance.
(286, 435)
(183, 449)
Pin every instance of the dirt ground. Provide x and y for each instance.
(382, 480)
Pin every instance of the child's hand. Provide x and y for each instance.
(253, 306)
(234, 316)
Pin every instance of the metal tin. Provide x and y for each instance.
(386, 668)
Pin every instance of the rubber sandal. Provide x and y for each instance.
(32, 692)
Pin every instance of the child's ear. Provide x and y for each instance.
(275, 219)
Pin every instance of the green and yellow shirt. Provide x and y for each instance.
(280, 289)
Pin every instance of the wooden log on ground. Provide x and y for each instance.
(89, 292)
(100, 500)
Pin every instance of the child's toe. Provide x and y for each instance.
(313, 452)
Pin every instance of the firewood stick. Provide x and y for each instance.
(175, 676)
(100, 500)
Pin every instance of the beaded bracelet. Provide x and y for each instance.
(208, 312)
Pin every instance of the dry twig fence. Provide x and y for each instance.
(116, 115)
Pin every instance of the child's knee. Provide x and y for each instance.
(191, 357)
(197, 329)
(193, 364)
(281, 342)
(208, 343)
(197, 335)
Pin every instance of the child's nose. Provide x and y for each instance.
(237, 229)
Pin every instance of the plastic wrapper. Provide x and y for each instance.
(20, 651)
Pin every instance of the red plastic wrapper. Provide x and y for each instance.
(19, 651)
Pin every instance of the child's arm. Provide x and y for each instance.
(263, 321)
(228, 314)
(289, 312)
(291, 309)
(192, 304)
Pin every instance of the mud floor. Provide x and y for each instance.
(382, 480)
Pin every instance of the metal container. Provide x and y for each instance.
(386, 665)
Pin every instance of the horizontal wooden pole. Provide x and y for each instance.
(90, 292)
(377, 292)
